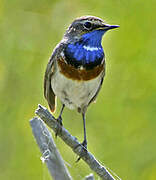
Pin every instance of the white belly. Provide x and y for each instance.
(73, 93)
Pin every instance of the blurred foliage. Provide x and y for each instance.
(120, 126)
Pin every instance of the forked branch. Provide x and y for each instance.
(71, 141)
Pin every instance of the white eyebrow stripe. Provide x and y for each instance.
(88, 48)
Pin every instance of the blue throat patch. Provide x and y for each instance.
(87, 52)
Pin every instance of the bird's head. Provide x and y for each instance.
(83, 39)
(87, 26)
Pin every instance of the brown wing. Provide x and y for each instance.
(48, 91)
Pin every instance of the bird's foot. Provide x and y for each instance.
(84, 150)
(59, 126)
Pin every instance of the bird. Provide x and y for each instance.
(76, 68)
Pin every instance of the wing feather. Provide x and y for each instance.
(48, 91)
(50, 70)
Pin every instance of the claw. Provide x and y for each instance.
(59, 127)
(84, 144)
(84, 150)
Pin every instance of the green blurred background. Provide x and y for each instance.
(121, 126)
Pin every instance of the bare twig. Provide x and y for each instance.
(71, 141)
(50, 154)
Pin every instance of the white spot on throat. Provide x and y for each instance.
(88, 48)
(62, 54)
(81, 67)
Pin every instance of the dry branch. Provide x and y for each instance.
(50, 154)
(71, 141)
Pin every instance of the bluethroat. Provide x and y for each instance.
(76, 69)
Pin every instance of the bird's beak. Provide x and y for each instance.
(108, 27)
(112, 26)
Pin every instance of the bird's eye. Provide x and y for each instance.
(87, 25)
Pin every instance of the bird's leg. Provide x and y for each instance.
(84, 143)
(59, 120)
